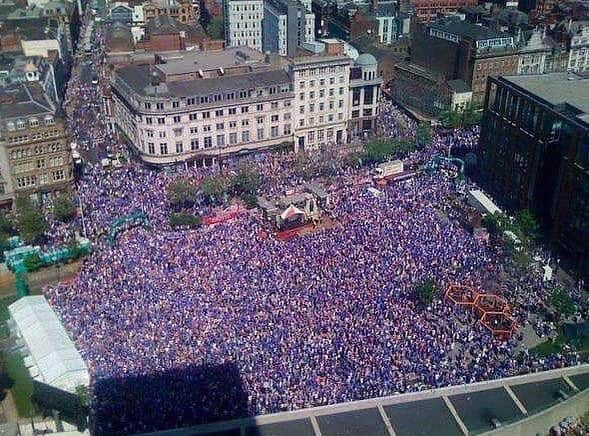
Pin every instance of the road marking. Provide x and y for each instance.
(516, 400)
(385, 418)
(454, 413)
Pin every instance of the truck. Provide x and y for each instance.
(388, 169)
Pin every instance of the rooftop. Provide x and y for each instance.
(188, 62)
(139, 77)
(464, 29)
(557, 89)
(444, 412)
(22, 100)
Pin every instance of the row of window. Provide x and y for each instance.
(213, 98)
(32, 122)
(218, 126)
(220, 140)
(41, 179)
(54, 161)
(24, 152)
(321, 93)
(321, 82)
(321, 106)
(322, 71)
(176, 119)
(321, 135)
(320, 119)
(21, 139)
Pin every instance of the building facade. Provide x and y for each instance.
(533, 54)
(173, 112)
(365, 88)
(242, 101)
(321, 99)
(34, 144)
(460, 50)
(286, 26)
(579, 51)
(185, 11)
(429, 10)
(535, 133)
(243, 23)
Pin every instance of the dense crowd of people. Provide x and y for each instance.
(188, 327)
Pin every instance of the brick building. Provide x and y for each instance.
(185, 11)
(428, 10)
(461, 50)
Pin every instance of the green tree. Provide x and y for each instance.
(425, 292)
(423, 135)
(246, 181)
(82, 392)
(64, 208)
(75, 250)
(215, 28)
(181, 193)
(562, 302)
(214, 188)
(185, 220)
(33, 262)
(30, 220)
(527, 224)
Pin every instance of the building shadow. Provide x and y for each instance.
(175, 398)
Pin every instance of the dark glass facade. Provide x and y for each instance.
(536, 155)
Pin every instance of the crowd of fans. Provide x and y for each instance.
(187, 327)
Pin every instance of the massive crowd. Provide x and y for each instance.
(188, 327)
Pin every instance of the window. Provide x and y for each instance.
(331, 80)
(287, 129)
(176, 118)
(330, 117)
(340, 104)
(232, 124)
(341, 90)
(312, 107)
(206, 115)
(321, 93)
(148, 120)
(175, 104)
(220, 126)
(260, 134)
(162, 134)
(245, 109)
(179, 147)
(259, 107)
(312, 94)
(274, 118)
(321, 107)
(286, 116)
(233, 138)
(208, 142)
(274, 105)
(287, 103)
(190, 101)
(232, 111)
(301, 109)
(367, 112)
(49, 121)
(301, 122)
(192, 116)
(245, 136)
(163, 148)
(331, 92)
(274, 131)
(331, 105)
(161, 120)
(320, 134)
(311, 136)
(220, 140)
(194, 144)
(219, 113)
(149, 133)
(206, 128)
(302, 96)
(159, 106)
(151, 148)
(147, 105)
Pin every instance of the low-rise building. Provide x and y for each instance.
(286, 26)
(34, 144)
(365, 88)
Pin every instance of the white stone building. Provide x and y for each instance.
(364, 95)
(579, 52)
(243, 23)
(533, 53)
(321, 99)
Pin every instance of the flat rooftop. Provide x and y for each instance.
(189, 62)
(557, 89)
(449, 411)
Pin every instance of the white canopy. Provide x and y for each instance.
(54, 358)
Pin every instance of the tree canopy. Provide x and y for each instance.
(30, 220)
(426, 291)
(181, 192)
(215, 28)
(246, 181)
(64, 208)
(214, 188)
(423, 135)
